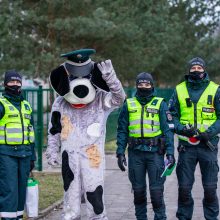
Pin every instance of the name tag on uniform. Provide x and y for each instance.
(13, 116)
(132, 111)
(209, 110)
(152, 110)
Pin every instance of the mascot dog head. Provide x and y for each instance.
(78, 78)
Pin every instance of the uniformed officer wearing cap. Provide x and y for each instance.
(195, 106)
(143, 124)
(17, 153)
(89, 92)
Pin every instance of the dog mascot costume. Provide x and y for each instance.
(88, 93)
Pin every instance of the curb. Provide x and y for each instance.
(47, 211)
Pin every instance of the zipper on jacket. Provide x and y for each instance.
(195, 115)
(22, 124)
(142, 125)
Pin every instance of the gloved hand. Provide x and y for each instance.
(106, 69)
(171, 160)
(32, 165)
(188, 131)
(121, 161)
(203, 136)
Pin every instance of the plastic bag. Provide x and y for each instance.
(32, 198)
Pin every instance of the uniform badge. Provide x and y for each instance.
(11, 108)
(26, 107)
(27, 116)
(154, 102)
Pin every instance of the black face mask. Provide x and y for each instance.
(196, 75)
(144, 92)
(13, 90)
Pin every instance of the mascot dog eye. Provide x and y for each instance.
(77, 78)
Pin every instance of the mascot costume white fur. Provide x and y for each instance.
(88, 93)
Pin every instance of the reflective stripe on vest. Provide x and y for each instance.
(144, 121)
(201, 114)
(15, 127)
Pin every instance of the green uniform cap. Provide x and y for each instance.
(79, 56)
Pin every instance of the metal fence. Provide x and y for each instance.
(41, 101)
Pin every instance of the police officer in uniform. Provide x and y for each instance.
(195, 106)
(143, 124)
(17, 153)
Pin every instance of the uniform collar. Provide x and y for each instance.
(144, 100)
(13, 98)
(197, 84)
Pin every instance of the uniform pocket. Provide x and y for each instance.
(131, 175)
(159, 164)
(207, 116)
(210, 170)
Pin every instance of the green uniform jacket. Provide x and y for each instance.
(19, 150)
(195, 90)
(123, 132)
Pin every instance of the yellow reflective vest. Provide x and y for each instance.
(144, 121)
(15, 126)
(201, 114)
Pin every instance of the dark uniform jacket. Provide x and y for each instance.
(19, 150)
(195, 90)
(123, 132)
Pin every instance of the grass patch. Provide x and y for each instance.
(50, 188)
(111, 146)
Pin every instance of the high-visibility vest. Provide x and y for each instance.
(201, 114)
(15, 126)
(144, 121)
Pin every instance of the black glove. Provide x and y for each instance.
(32, 165)
(171, 160)
(188, 131)
(203, 136)
(121, 161)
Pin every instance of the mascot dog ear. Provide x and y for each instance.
(97, 79)
(60, 81)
